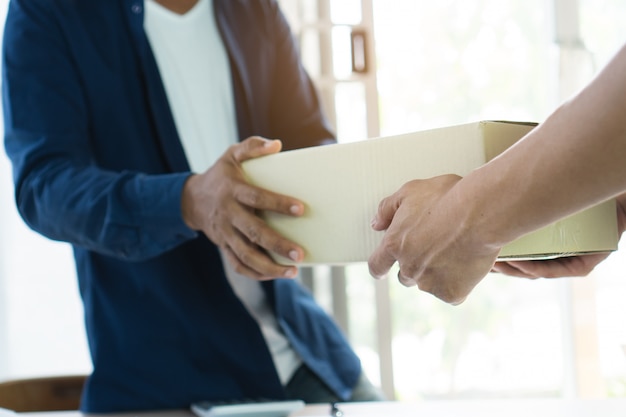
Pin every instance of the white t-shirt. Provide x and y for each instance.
(196, 74)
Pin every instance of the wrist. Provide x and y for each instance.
(187, 202)
(480, 218)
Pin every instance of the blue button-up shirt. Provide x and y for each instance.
(97, 162)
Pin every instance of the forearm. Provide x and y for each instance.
(126, 215)
(573, 160)
(446, 232)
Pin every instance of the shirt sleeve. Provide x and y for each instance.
(61, 190)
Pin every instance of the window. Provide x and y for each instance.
(444, 63)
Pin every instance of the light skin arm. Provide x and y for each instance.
(223, 205)
(446, 232)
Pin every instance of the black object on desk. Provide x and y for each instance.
(335, 411)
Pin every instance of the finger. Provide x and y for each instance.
(261, 199)
(507, 269)
(458, 301)
(405, 280)
(228, 235)
(386, 210)
(243, 269)
(254, 147)
(238, 266)
(257, 232)
(563, 267)
(380, 261)
(535, 268)
(252, 258)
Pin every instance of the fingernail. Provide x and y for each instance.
(291, 273)
(374, 221)
(294, 255)
(295, 209)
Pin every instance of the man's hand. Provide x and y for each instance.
(573, 266)
(430, 242)
(223, 205)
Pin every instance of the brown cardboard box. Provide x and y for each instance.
(342, 185)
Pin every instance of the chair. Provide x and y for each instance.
(54, 393)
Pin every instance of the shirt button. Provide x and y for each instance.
(136, 8)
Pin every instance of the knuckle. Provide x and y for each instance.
(236, 147)
(280, 247)
(374, 268)
(244, 257)
(390, 244)
(382, 204)
(250, 196)
(446, 295)
(214, 232)
(238, 268)
(442, 292)
(253, 234)
(231, 151)
(426, 287)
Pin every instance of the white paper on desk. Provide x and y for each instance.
(7, 413)
(342, 184)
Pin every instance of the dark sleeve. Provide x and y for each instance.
(60, 190)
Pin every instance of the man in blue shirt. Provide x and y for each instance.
(126, 123)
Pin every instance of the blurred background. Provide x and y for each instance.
(385, 67)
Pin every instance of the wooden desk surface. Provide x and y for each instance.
(461, 408)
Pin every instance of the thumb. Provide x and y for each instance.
(256, 146)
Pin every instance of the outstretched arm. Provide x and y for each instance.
(446, 232)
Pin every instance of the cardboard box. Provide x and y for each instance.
(342, 184)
